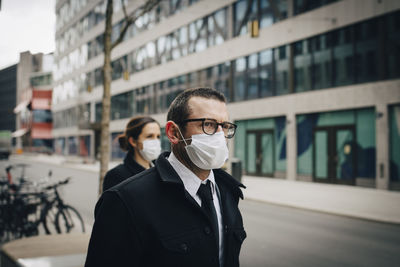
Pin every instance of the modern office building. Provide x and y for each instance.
(33, 109)
(8, 92)
(312, 85)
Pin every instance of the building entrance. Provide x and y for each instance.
(334, 154)
(260, 153)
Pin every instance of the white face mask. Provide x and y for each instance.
(207, 151)
(151, 149)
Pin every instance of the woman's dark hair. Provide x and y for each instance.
(133, 129)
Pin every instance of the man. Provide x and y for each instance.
(184, 211)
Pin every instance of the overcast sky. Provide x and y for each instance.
(26, 25)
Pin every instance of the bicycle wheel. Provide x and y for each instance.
(48, 220)
(69, 220)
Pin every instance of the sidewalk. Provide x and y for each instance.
(364, 203)
(357, 202)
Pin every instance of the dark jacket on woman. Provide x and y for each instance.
(151, 220)
(121, 172)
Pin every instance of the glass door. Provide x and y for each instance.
(321, 155)
(345, 155)
(260, 153)
(334, 155)
(266, 162)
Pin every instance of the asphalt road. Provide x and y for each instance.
(276, 235)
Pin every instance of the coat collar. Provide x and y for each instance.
(166, 171)
(131, 164)
(169, 175)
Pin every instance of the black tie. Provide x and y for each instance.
(207, 205)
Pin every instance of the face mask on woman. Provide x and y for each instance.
(151, 149)
(207, 151)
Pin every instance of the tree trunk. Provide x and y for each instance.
(107, 70)
(106, 102)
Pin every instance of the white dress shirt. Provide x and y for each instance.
(192, 183)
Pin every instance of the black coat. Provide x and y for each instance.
(151, 220)
(122, 172)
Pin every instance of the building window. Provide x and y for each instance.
(122, 106)
(72, 145)
(281, 69)
(301, 6)
(252, 77)
(41, 115)
(198, 35)
(98, 110)
(343, 56)
(84, 146)
(392, 48)
(240, 79)
(322, 61)
(302, 66)
(366, 51)
(42, 80)
(118, 67)
(266, 73)
(266, 12)
(217, 28)
(394, 142)
(116, 151)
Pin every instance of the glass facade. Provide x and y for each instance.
(116, 151)
(338, 144)
(266, 12)
(359, 53)
(342, 57)
(65, 118)
(199, 35)
(42, 115)
(60, 146)
(261, 145)
(394, 141)
(301, 6)
(73, 145)
(42, 80)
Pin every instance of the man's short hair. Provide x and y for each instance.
(179, 109)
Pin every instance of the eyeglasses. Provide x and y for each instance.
(210, 126)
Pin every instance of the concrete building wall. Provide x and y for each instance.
(376, 95)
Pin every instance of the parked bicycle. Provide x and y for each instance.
(23, 212)
(66, 217)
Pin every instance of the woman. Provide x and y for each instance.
(142, 141)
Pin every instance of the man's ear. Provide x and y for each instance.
(132, 142)
(172, 132)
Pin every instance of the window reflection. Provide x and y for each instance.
(322, 61)
(217, 28)
(366, 50)
(266, 12)
(266, 72)
(42, 115)
(240, 79)
(343, 55)
(302, 66)
(281, 70)
(252, 77)
(198, 35)
(122, 106)
(392, 48)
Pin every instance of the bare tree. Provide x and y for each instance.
(107, 70)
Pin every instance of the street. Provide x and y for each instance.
(276, 235)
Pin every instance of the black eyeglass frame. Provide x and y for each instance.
(216, 128)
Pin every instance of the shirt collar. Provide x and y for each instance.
(190, 181)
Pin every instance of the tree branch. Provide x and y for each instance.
(129, 20)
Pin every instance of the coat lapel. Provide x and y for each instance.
(169, 175)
